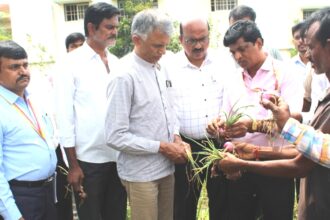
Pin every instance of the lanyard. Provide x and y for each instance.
(36, 126)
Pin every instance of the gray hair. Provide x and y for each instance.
(149, 20)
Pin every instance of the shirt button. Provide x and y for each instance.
(203, 84)
(206, 116)
(205, 100)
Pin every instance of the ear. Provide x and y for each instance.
(91, 29)
(259, 42)
(136, 39)
(327, 44)
(181, 39)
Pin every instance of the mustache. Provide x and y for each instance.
(112, 37)
(23, 77)
(197, 50)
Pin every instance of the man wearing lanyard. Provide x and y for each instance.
(27, 153)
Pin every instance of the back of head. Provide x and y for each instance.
(149, 20)
(248, 30)
(95, 14)
(242, 12)
(72, 38)
(10, 49)
(323, 17)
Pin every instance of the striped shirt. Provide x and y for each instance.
(312, 143)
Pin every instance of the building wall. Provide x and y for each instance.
(39, 25)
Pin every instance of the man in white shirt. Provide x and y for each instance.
(81, 105)
(197, 80)
(141, 123)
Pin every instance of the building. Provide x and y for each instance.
(42, 25)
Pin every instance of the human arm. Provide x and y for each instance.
(8, 207)
(134, 123)
(310, 142)
(65, 120)
(248, 151)
(296, 167)
(75, 175)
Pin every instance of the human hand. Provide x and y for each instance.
(75, 178)
(280, 109)
(238, 129)
(230, 164)
(177, 152)
(214, 127)
(244, 150)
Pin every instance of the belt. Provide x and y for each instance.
(38, 183)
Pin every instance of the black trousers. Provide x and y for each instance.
(255, 195)
(187, 192)
(106, 196)
(35, 203)
(64, 204)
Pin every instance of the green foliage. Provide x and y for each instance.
(5, 30)
(293, 52)
(124, 42)
(175, 44)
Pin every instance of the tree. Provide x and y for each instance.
(124, 43)
(5, 30)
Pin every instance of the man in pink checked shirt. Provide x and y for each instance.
(254, 195)
(313, 162)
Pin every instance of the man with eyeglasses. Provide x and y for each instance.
(197, 87)
(259, 74)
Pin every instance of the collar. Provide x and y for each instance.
(266, 67)
(184, 62)
(10, 96)
(144, 63)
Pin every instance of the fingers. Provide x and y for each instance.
(268, 104)
(213, 126)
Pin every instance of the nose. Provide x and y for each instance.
(237, 55)
(162, 50)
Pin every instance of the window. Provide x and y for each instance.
(217, 5)
(74, 12)
(308, 12)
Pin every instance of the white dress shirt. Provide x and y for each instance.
(80, 86)
(139, 116)
(197, 92)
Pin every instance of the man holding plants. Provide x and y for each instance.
(313, 162)
(141, 123)
(197, 88)
(259, 74)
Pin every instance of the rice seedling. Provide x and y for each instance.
(82, 194)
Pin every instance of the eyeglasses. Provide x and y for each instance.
(193, 42)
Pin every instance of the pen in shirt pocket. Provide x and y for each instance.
(168, 83)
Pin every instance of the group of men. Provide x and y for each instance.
(128, 125)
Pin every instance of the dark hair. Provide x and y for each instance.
(95, 14)
(297, 27)
(322, 16)
(242, 28)
(242, 11)
(10, 49)
(73, 37)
